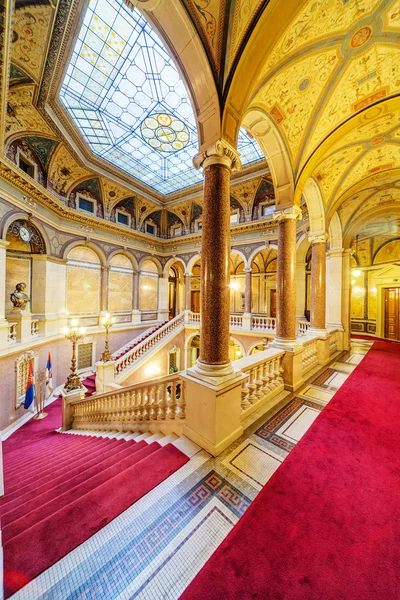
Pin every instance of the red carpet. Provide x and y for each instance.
(61, 489)
(327, 524)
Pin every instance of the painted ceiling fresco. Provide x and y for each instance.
(334, 59)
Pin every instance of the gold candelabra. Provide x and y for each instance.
(73, 334)
(107, 322)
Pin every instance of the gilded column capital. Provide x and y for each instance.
(318, 238)
(248, 270)
(220, 153)
(293, 212)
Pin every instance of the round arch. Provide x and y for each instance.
(70, 245)
(238, 343)
(315, 206)
(360, 222)
(128, 255)
(239, 253)
(192, 262)
(154, 260)
(258, 250)
(171, 262)
(16, 216)
(261, 126)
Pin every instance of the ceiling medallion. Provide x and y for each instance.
(361, 37)
(164, 132)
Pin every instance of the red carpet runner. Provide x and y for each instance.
(327, 524)
(61, 489)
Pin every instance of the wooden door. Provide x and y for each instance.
(392, 313)
(272, 311)
(195, 301)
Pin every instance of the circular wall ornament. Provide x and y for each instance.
(303, 85)
(361, 37)
(24, 234)
(165, 133)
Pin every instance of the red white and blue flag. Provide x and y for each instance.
(49, 374)
(30, 387)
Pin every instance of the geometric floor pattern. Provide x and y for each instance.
(154, 549)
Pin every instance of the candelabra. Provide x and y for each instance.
(73, 334)
(107, 322)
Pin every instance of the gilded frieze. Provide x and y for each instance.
(64, 171)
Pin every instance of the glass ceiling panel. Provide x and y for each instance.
(127, 99)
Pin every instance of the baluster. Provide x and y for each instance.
(265, 379)
(171, 401)
(180, 403)
(244, 393)
(153, 406)
(145, 404)
(251, 397)
(258, 383)
(161, 396)
(271, 374)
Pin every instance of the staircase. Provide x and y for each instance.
(60, 489)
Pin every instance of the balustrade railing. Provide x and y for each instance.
(236, 321)
(12, 333)
(194, 317)
(132, 407)
(309, 356)
(302, 327)
(34, 328)
(265, 379)
(332, 343)
(137, 351)
(263, 323)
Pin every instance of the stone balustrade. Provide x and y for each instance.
(302, 327)
(265, 379)
(263, 323)
(12, 333)
(159, 402)
(137, 351)
(34, 328)
(236, 321)
(194, 317)
(310, 355)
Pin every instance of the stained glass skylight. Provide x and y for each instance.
(127, 99)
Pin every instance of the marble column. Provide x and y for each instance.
(3, 248)
(346, 293)
(104, 289)
(334, 282)
(300, 290)
(187, 292)
(247, 291)
(218, 161)
(286, 278)
(318, 283)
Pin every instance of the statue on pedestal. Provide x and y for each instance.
(18, 297)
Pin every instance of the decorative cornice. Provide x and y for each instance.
(219, 153)
(293, 212)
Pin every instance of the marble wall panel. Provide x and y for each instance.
(83, 290)
(120, 290)
(148, 292)
(18, 269)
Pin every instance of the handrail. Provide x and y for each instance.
(264, 323)
(137, 351)
(160, 399)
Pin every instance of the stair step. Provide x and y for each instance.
(62, 531)
(168, 439)
(56, 501)
(186, 446)
(143, 436)
(155, 438)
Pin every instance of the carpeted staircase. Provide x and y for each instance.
(61, 489)
(136, 341)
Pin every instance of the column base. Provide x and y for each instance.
(246, 321)
(322, 333)
(136, 316)
(284, 344)
(214, 374)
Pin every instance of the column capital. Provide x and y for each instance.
(292, 212)
(335, 252)
(319, 238)
(4, 243)
(105, 267)
(248, 270)
(220, 153)
(187, 274)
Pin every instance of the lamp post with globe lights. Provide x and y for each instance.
(107, 322)
(73, 334)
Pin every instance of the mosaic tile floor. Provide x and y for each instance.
(154, 549)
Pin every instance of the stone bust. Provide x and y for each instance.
(18, 297)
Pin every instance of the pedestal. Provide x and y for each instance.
(67, 399)
(105, 375)
(23, 320)
(323, 351)
(246, 321)
(292, 369)
(213, 412)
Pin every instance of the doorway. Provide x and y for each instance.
(195, 301)
(392, 313)
(272, 298)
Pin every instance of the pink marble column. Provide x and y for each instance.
(217, 163)
(286, 277)
(104, 289)
(247, 291)
(187, 292)
(318, 283)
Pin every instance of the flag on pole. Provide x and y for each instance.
(49, 374)
(30, 386)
